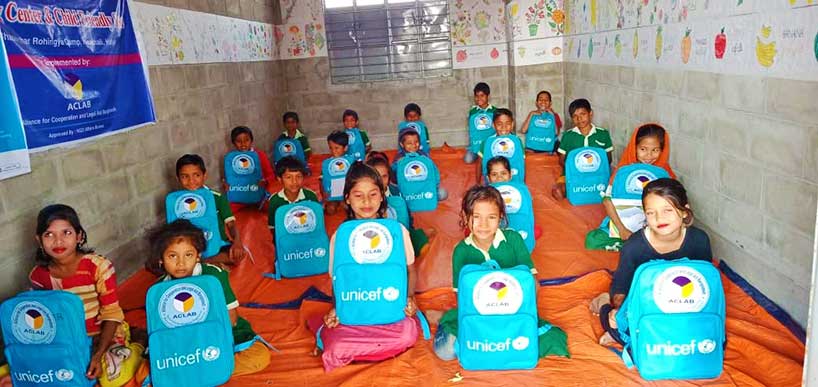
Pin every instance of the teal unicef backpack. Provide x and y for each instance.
(189, 333)
(45, 337)
(302, 244)
(496, 318)
(586, 175)
(673, 320)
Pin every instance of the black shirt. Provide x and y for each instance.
(637, 250)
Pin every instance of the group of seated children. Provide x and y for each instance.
(366, 191)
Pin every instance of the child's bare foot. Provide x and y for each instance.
(597, 302)
(607, 339)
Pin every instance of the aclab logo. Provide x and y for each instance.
(637, 180)
(415, 171)
(286, 148)
(388, 294)
(503, 147)
(511, 197)
(208, 354)
(667, 348)
(370, 243)
(497, 293)
(587, 161)
(338, 166)
(519, 344)
(33, 323)
(681, 289)
(183, 304)
(481, 121)
(243, 164)
(189, 206)
(299, 220)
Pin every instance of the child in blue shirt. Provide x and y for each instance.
(359, 144)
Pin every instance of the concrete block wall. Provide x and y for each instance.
(118, 183)
(746, 148)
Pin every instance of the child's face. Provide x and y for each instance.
(662, 217)
(498, 173)
(410, 144)
(544, 102)
(350, 122)
(59, 241)
(485, 220)
(243, 142)
(291, 124)
(336, 150)
(412, 116)
(384, 172)
(648, 150)
(191, 177)
(180, 258)
(365, 199)
(292, 181)
(481, 99)
(503, 125)
(582, 118)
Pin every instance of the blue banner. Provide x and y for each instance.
(78, 69)
(13, 153)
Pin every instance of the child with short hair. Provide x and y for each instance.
(543, 103)
(412, 113)
(192, 175)
(359, 143)
(176, 252)
(292, 130)
(509, 146)
(334, 170)
(480, 119)
(63, 262)
(585, 133)
(649, 144)
(290, 173)
(499, 171)
(670, 235)
(409, 141)
(242, 139)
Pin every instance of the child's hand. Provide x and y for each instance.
(625, 234)
(331, 319)
(237, 251)
(95, 368)
(411, 308)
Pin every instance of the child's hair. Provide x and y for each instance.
(411, 107)
(481, 193)
(59, 212)
(350, 113)
(190, 159)
(289, 115)
(674, 192)
(167, 234)
(289, 164)
(357, 172)
(503, 112)
(379, 159)
(339, 138)
(498, 160)
(651, 130)
(581, 103)
(543, 92)
(406, 132)
(240, 130)
(482, 86)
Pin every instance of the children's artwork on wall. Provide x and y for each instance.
(175, 36)
(304, 40)
(478, 33)
(532, 52)
(480, 56)
(535, 28)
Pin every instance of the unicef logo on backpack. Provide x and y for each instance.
(512, 198)
(482, 121)
(680, 289)
(189, 206)
(338, 167)
(502, 147)
(286, 149)
(33, 323)
(415, 171)
(587, 161)
(637, 180)
(370, 243)
(497, 293)
(299, 220)
(183, 304)
(243, 165)
(542, 122)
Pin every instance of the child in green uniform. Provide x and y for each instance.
(290, 172)
(479, 131)
(293, 131)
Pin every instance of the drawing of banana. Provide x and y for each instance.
(765, 52)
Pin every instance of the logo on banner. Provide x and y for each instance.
(497, 293)
(680, 289)
(299, 220)
(183, 304)
(512, 198)
(339, 167)
(33, 323)
(503, 147)
(243, 164)
(73, 86)
(415, 171)
(482, 121)
(637, 180)
(370, 243)
(587, 161)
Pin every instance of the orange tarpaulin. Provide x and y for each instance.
(760, 350)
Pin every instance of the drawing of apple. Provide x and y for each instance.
(461, 56)
(495, 53)
(720, 44)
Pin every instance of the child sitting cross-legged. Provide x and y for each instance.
(290, 172)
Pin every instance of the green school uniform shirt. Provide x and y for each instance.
(224, 213)
(597, 137)
(280, 199)
(305, 143)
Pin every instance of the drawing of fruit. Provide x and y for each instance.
(815, 48)
(635, 44)
(720, 44)
(659, 42)
(686, 45)
(495, 53)
(765, 52)
(617, 46)
(590, 48)
(461, 56)
(593, 12)
(556, 51)
(521, 51)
